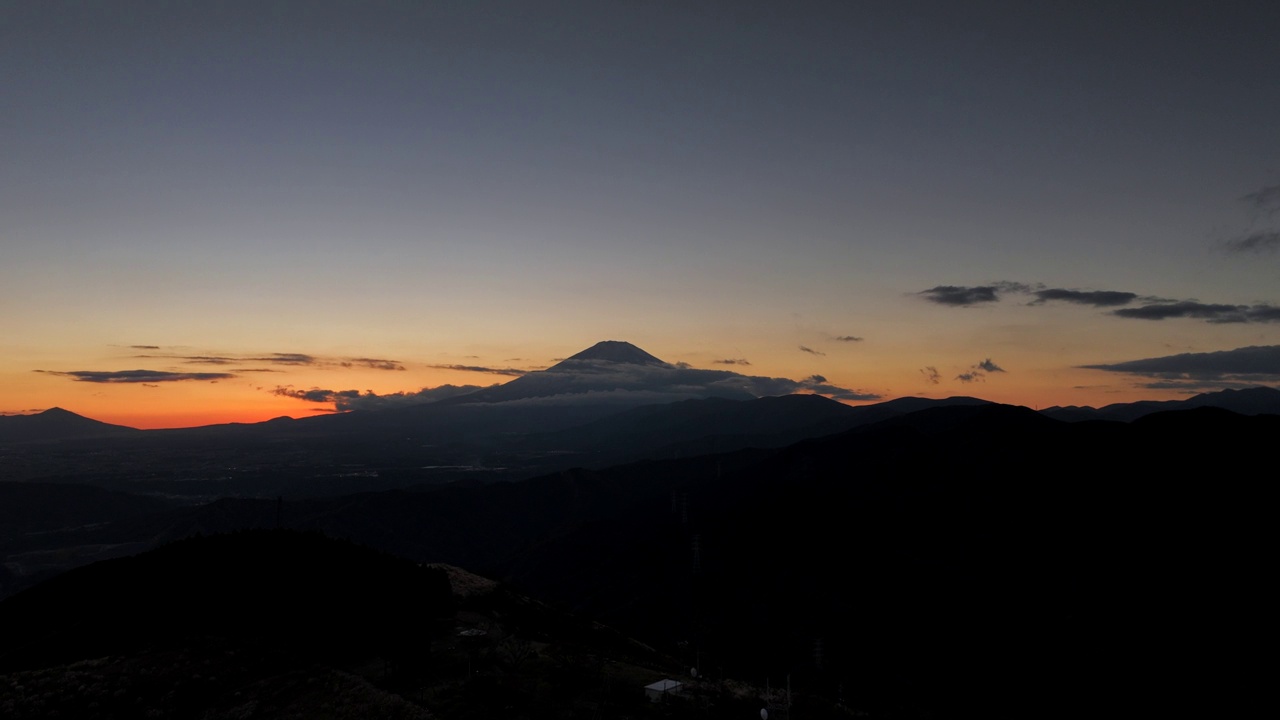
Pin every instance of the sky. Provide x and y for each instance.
(233, 211)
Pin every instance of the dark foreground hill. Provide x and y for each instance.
(972, 561)
(281, 624)
(300, 592)
(257, 624)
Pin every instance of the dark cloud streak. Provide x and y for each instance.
(136, 376)
(1156, 308)
(1095, 298)
(374, 363)
(1259, 362)
(347, 400)
(1211, 312)
(289, 359)
(1266, 200)
(1255, 242)
(513, 372)
(960, 296)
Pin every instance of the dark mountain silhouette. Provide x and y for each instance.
(611, 373)
(967, 560)
(57, 424)
(614, 351)
(543, 421)
(432, 444)
(699, 427)
(1249, 401)
(989, 554)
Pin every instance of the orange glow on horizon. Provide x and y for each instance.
(187, 404)
(162, 419)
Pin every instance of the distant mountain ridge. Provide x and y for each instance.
(57, 424)
(1248, 401)
(710, 425)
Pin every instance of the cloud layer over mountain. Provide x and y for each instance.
(608, 373)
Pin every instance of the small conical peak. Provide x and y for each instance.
(617, 351)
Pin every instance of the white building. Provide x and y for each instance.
(656, 691)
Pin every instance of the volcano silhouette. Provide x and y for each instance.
(612, 372)
(613, 351)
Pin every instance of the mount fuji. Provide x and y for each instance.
(614, 372)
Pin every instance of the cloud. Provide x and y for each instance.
(963, 296)
(978, 371)
(760, 386)
(1267, 199)
(375, 363)
(1247, 365)
(589, 380)
(145, 347)
(346, 400)
(811, 351)
(1255, 242)
(273, 358)
(931, 374)
(1214, 313)
(1264, 313)
(1264, 202)
(200, 359)
(1096, 298)
(818, 384)
(290, 359)
(1156, 308)
(848, 338)
(1197, 386)
(481, 369)
(960, 296)
(136, 376)
(315, 395)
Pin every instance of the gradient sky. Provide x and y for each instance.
(250, 201)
